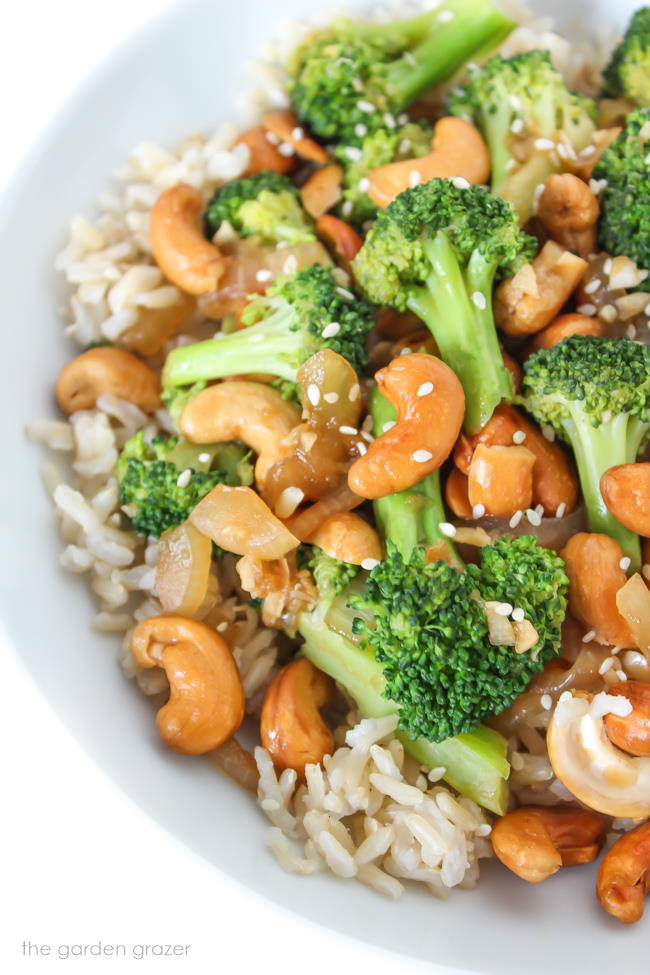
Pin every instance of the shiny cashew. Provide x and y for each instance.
(624, 875)
(322, 190)
(626, 492)
(348, 538)
(568, 211)
(251, 412)
(457, 494)
(586, 762)
(595, 576)
(106, 370)
(340, 238)
(565, 326)
(263, 154)
(534, 841)
(430, 405)
(631, 732)
(180, 250)
(526, 303)
(285, 126)
(291, 727)
(515, 370)
(206, 703)
(458, 149)
(501, 479)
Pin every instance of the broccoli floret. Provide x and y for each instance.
(295, 318)
(379, 148)
(437, 250)
(628, 73)
(266, 205)
(330, 575)
(595, 393)
(352, 77)
(429, 632)
(176, 398)
(515, 102)
(624, 226)
(148, 475)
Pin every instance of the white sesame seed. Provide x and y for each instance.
(256, 337)
(625, 563)
(353, 153)
(425, 389)
(422, 456)
(607, 266)
(344, 293)
(405, 350)
(389, 424)
(204, 458)
(445, 16)
(562, 151)
(517, 126)
(313, 394)
(389, 121)
(361, 448)
(348, 431)
(593, 285)
(645, 572)
(461, 183)
(367, 436)
(222, 627)
(533, 518)
(608, 314)
(415, 178)
(516, 518)
(518, 615)
(515, 102)
(546, 701)
(404, 146)
(615, 650)
(353, 395)
(479, 300)
(478, 511)
(402, 118)
(290, 266)
(364, 185)
(510, 165)
(365, 106)
(607, 416)
(589, 310)
(360, 129)
(548, 433)
(597, 186)
(588, 637)
(331, 330)
(503, 609)
(539, 508)
(264, 275)
(288, 501)
(630, 331)
(184, 478)
(544, 144)
(331, 397)
(560, 510)
(272, 138)
(286, 149)
(517, 761)
(298, 133)
(369, 564)
(347, 208)
(518, 436)
(606, 665)
(447, 529)
(410, 58)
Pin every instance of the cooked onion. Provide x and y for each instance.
(237, 763)
(183, 569)
(633, 602)
(552, 533)
(237, 519)
(304, 524)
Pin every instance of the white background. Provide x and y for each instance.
(79, 863)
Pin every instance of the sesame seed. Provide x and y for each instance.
(518, 615)
(290, 265)
(515, 102)
(607, 416)
(461, 183)
(588, 637)
(369, 564)
(548, 433)
(562, 151)
(517, 761)
(313, 394)
(645, 572)
(222, 627)
(264, 275)
(621, 675)
(544, 144)
(593, 285)
(607, 266)
(588, 151)
(608, 314)
(546, 701)
(286, 149)
(561, 508)
(510, 165)
(365, 106)
(606, 665)
(589, 310)
(478, 511)
(353, 153)
(533, 518)
(539, 508)
(425, 389)
(348, 431)
(447, 529)
(367, 423)
(415, 178)
(256, 337)
(344, 293)
(272, 138)
(445, 16)
(518, 436)
(410, 58)
(503, 609)
(364, 185)
(367, 436)
(404, 146)
(615, 650)
(184, 478)
(361, 447)
(402, 118)
(517, 126)
(204, 458)
(298, 133)
(597, 186)
(347, 208)
(479, 300)
(516, 518)
(360, 129)
(422, 456)
(625, 563)
(331, 397)
(389, 120)
(630, 331)
(405, 350)
(331, 330)
(389, 424)
(353, 395)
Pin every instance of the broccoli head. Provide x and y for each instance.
(149, 473)
(628, 73)
(331, 576)
(624, 226)
(437, 250)
(595, 393)
(522, 107)
(266, 205)
(297, 317)
(355, 77)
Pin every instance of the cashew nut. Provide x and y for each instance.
(626, 492)
(291, 727)
(589, 765)
(180, 250)
(631, 732)
(535, 841)
(285, 126)
(568, 211)
(501, 479)
(106, 370)
(348, 538)
(457, 494)
(263, 154)
(430, 405)
(341, 240)
(206, 703)
(238, 520)
(251, 412)
(322, 190)
(595, 576)
(458, 149)
(565, 326)
(624, 875)
(526, 303)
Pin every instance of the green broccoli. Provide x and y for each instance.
(355, 77)
(330, 575)
(266, 205)
(148, 475)
(176, 398)
(522, 107)
(595, 393)
(379, 148)
(624, 226)
(437, 250)
(295, 318)
(628, 73)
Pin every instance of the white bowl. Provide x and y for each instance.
(180, 74)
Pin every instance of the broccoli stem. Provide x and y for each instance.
(464, 332)
(475, 764)
(596, 449)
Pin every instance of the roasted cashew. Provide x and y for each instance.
(341, 240)
(206, 703)
(180, 250)
(238, 410)
(458, 149)
(239, 521)
(535, 841)
(626, 492)
(348, 538)
(291, 727)
(526, 303)
(500, 479)
(631, 732)
(568, 211)
(624, 875)
(322, 190)
(587, 763)
(565, 326)
(285, 126)
(263, 154)
(457, 494)
(595, 576)
(106, 370)
(430, 405)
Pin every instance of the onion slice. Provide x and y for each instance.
(633, 603)
(238, 520)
